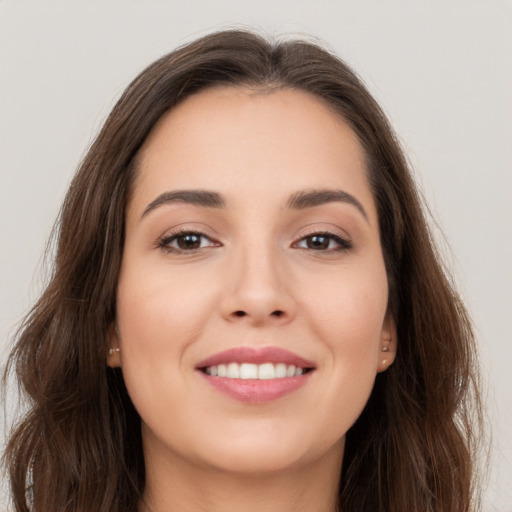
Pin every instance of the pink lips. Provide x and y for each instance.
(255, 390)
(256, 356)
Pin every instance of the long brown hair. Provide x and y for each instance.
(78, 448)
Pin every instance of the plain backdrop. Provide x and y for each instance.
(442, 69)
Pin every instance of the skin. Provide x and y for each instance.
(205, 450)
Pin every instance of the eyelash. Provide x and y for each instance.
(342, 243)
(164, 243)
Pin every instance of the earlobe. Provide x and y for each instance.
(113, 354)
(388, 345)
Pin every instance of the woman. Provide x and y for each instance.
(247, 311)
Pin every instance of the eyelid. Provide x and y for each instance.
(341, 238)
(163, 242)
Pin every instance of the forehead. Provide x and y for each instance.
(239, 138)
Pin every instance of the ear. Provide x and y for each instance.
(113, 351)
(388, 344)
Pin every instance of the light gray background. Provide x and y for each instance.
(441, 68)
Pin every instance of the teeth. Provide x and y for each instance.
(280, 370)
(233, 372)
(248, 371)
(265, 371)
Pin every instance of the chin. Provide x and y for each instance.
(257, 459)
(266, 449)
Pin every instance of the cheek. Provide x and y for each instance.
(160, 311)
(348, 308)
(159, 316)
(351, 334)
(347, 314)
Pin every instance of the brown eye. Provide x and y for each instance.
(187, 241)
(326, 242)
(318, 242)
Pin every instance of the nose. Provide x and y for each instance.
(258, 290)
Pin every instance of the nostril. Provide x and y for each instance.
(240, 313)
(277, 313)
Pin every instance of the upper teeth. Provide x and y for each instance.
(254, 371)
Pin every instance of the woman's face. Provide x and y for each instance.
(252, 255)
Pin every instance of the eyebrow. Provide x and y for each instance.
(311, 198)
(298, 201)
(202, 198)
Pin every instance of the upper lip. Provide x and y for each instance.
(256, 356)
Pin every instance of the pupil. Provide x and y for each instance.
(318, 242)
(189, 241)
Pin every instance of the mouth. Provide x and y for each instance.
(256, 375)
(245, 371)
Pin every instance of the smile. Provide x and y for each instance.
(265, 371)
(256, 375)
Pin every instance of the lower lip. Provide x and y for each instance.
(256, 390)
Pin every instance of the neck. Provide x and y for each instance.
(174, 484)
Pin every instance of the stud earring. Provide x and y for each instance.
(385, 349)
(112, 351)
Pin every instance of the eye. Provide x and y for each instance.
(186, 241)
(326, 242)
